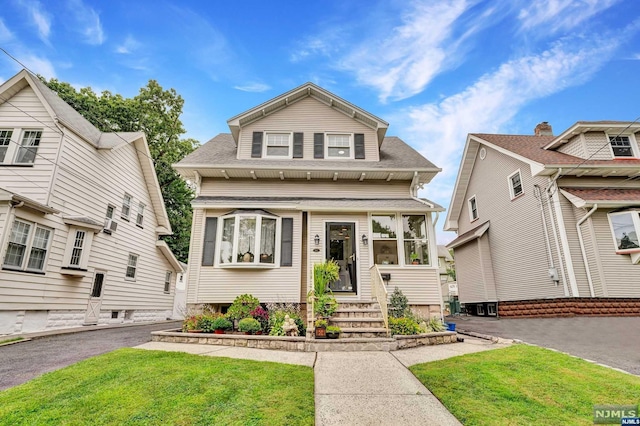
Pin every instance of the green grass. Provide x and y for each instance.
(525, 385)
(13, 339)
(139, 387)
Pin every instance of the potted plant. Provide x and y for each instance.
(321, 329)
(220, 324)
(249, 325)
(325, 305)
(415, 258)
(333, 331)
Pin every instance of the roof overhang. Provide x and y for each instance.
(475, 233)
(302, 92)
(602, 202)
(592, 126)
(83, 222)
(21, 201)
(166, 251)
(610, 168)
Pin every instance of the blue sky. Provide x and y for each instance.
(435, 70)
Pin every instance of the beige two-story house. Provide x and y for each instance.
(81, 214)
(301, 178)
(549, 225)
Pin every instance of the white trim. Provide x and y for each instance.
(265, 136)
(85, 249)
(632, 143)
(126, 269)
(565, 243)
(351, 146)
(323, 242)
(511, 188)
(635, 218)
(128, 215)
(471, 218)
(256, 244)
(24, 265)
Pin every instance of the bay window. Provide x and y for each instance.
(389, 245)
(248, 239)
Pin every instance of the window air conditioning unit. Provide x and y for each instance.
(110, 226)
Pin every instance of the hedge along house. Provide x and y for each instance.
(301, 178)
(548, 225)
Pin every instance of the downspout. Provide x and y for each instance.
(555, 235)
(582, 249)
(545, 230)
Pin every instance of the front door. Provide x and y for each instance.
(95, 300)
(341, 247)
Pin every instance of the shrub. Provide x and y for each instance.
(262, 316)
(435, 324)
(211, 324)
(323, 274)
(398, 305)
(404, 326)
(191, 323)
(333, 329)
(325, 305)
(320, 323)
(249, 325)
(242, 307)
(277, 312)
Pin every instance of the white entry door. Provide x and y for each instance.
(95, 300)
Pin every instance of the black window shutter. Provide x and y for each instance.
(318, 145)
(358, 142)
(256, 145)
(286, 243)
(209, 245)
(298, 143)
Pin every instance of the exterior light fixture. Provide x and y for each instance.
(365, 240)
(316, 239)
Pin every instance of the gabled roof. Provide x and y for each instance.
(443, 252)
(470, 235)
(65, 116)
(607, 126)
(301, 92)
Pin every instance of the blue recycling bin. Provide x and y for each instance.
(451, 326)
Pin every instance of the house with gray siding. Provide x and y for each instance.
(81, 214)
(301, 178)
(549, 225)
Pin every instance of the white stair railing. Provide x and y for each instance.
(379, 291)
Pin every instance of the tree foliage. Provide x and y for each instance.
(156, 112)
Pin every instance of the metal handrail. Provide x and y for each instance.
(379, 291)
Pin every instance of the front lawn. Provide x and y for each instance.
(524, 384)
(133, 386)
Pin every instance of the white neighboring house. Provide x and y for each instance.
(81, 214)
(180, 297)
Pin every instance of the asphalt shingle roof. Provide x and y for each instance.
(605, 194)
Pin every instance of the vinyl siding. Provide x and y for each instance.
(303, 188)
(576, 147)
(621, 277)
(308, 116)
(470, 280)
(597, 149)
(212, 284)
(24, 111)
(571, 215)
(595, 266)
(516, 232)
(420, 285)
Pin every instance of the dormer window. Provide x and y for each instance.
(278, 145)
(621, 146)
(339, 146)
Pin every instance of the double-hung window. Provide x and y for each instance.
(411, 245)
(5, 140)
(625, 227)
(28, 147)
(140, 216)
(132, 266)
(339, 145)
(78, 246)
(621, 146)
(515, 184)
(473, 208)
(248, 239)
(28, 247)
(126, 206)
(167, 282)
(278, 145)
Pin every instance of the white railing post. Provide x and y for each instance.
(380, 293)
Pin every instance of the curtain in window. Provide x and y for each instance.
(416, 248)
(246, 239)
(226, 246)
(267, 240)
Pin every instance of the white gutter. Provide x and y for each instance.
(582, 249)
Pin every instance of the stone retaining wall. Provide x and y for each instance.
(302, 344)
(569, 307)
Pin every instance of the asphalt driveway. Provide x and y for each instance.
(23, 361)
(613, 341)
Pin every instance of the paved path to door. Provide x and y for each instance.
(613, 341)
(23, 361)
(359, 388)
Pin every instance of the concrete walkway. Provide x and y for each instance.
(359, 388)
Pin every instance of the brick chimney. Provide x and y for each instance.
(543, 129)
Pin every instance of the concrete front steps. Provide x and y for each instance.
(359, 320)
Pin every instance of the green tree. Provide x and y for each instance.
(156, 112)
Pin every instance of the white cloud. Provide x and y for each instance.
(129, 45)
(558, 15)
(86, 21)
(38, 65)
(39, 17)
(253, 87)
(439, 130)
(5, 33)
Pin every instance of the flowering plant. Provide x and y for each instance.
(262, 316)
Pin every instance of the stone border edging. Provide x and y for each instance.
(494, 339)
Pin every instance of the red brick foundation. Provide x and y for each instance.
(569, 307)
